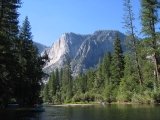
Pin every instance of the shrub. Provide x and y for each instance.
(145, 97)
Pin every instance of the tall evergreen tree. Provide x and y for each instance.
(46, 93)
(57, 77)
(9, 17)
(149, 17)
(117, 64)
(106, 66)
(90, 80)
(67, 79)
(83, 83)
(129, 82)
(99, 81)
(8, 32)
(52, 87)
(131, 39)
(30, 72)
(60, 77)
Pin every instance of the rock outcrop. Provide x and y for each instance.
(84, 50)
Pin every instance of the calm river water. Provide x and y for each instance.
(96, 112)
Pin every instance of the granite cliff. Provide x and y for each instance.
(84, 50)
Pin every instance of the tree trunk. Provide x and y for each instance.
(156, 68)
(134, 48)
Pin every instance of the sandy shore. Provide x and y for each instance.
(63, 105)
(94, 104)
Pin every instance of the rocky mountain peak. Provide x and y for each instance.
(84, 50)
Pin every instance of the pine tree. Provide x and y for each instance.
(46, 93)
(69, 77)
(116, 71)
(67, 80)
(30, 63)
(57, 80)
(90, 80)
(99, 81)
(60, 77)
(149, 17)
(52, 87)
(106, 66)
(8, 32)
(131, 38)
(25, 30)
(9, 18)
(83, 83)
(129, 81)
(117, 64)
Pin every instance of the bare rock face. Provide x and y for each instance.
(68, 43)
(84, 50)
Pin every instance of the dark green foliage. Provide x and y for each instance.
(83, 83)
(90, 79)
(25, 30)
(52, 86)
(30, 71)
(149, 17)
(46, 93)
(9, 18)
(128, 82)
(117, 64)
(57, 80)
(106, 66)
(66, 81)
(8, 32)
(131, 39)
(20, 66)
(99, 77)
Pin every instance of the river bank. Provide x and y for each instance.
(65, 105)
(98, 103)
(84, 112)
(78, 104)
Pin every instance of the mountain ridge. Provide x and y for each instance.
(40, 47)
(84, 50)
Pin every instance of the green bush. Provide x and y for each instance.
(87, 97)
(99, 98)
(145, 97)
(76, 98)
(124, 97)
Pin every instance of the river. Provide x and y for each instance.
(95, 112)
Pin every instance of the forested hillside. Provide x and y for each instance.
(130, 76)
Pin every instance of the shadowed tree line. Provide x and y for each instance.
(20, 64)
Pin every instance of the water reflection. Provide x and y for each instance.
(98, 112)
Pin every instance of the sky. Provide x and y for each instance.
(49, 19)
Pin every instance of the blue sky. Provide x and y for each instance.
(49, 19)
